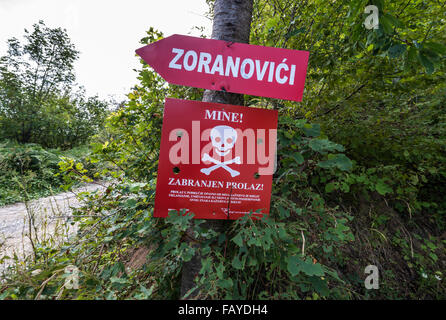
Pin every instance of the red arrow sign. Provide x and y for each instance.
(233, 67)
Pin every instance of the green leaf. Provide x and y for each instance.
(437, 47)
(386, 24)
(146, 292)
(320, 286)
(96, 147)
(324, 145)
(135, 187)
(297, 265)
(131, 203)
(312, 269)
(272, 22)
(187, 252)
(383, 188)
(298, 157)
(312, 130)
(295, 32)
(294, 265)
(427, 64)
(396, 50)
(379, 4)
(205, 265)
(225, 283)
(343, 163)
(284, 212)
(337, 160)
(329, 187)
(412, 54)
(238, 240)
(355, 7)
(236, 263)
(392, 20)
(119, 280)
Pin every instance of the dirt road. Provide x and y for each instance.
(15, 221)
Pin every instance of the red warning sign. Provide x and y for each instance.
(216, 160)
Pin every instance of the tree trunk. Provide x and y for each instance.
(232, 23)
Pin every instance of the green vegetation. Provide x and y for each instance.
(28, 171)
(41, 114)
(361, 176)
(37, 100)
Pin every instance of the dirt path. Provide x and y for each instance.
(15, 218)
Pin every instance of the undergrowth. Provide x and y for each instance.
(28, 171)
(332, 215)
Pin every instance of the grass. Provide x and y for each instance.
(32, 168)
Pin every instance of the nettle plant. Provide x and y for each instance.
(284, 255)
(287, 254)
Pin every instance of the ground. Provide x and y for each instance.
(46, 216)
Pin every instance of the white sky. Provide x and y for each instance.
(106, 32)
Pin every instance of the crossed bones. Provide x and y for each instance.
(219, 164)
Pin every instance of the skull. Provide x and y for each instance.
(223, 139)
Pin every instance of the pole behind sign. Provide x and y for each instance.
(232, 22)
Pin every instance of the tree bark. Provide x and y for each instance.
(232, 23)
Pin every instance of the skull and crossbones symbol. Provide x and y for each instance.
(223, 139)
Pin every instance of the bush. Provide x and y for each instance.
(28, 171)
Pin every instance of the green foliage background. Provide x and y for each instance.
(28, 171)
(39, 102)
(43, 115)
(360, 179)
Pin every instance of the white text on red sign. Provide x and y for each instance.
(230, 67)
